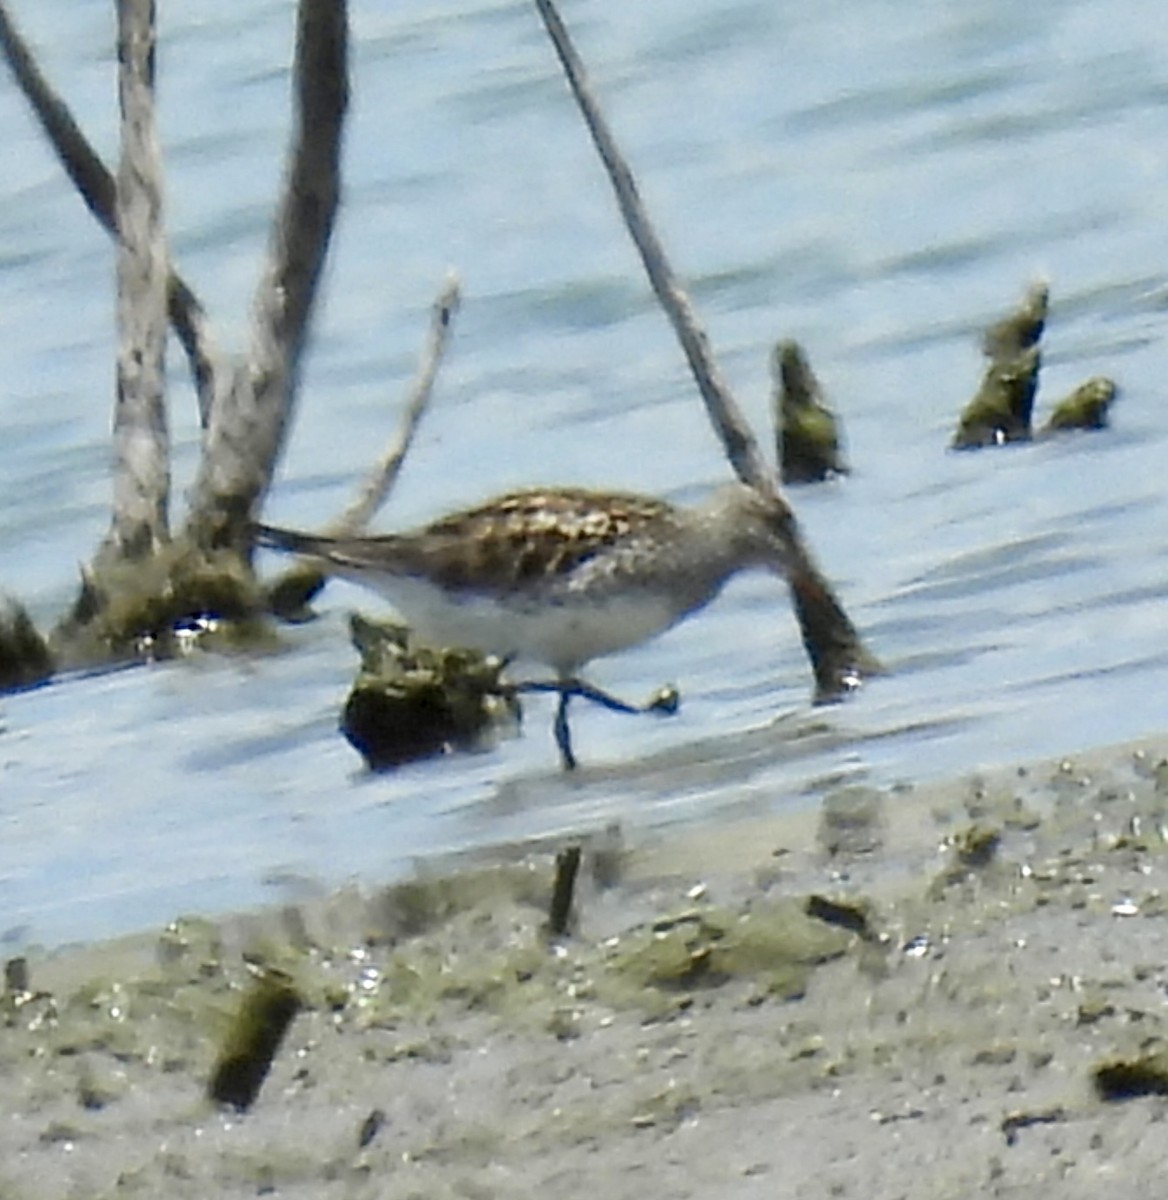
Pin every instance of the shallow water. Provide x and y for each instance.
(876, 181)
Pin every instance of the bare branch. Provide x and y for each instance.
(81, 162)
(728, 421)
(837, 654)
(384, 475)
(141, 443)
(252, 411)
(95, 182)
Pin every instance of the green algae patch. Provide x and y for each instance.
(505, 983)
(851, 821)
(161, 606)
(475, 940)
(774, 944)
(479, 942)
(429, 901)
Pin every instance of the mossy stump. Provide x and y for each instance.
(25, 659)
(809, 440)
(1087, 407)
(412, 702)
(161, 605)
(1002, 411)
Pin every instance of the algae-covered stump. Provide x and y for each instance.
(809, 441)
(1003, 409)
(1087, 407)
(1017, 332)
(24, 655)
(411, 702)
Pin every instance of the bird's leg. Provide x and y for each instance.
(565, 689)
(664, 700)
(562, 732)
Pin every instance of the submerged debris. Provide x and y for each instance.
(19, 1004)
(411, 702)
(851, 821)
(370, 1127)
(853, 915)
(976, 846)
(290, 596)
(809, 442)
(1012, 1122)
(1001, 411)
(971, 850)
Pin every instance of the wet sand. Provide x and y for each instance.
(899, 994)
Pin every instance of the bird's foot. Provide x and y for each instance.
(665, 702)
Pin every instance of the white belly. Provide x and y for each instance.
(562, 636)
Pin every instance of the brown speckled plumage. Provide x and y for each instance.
(560, 575)
(512, 543)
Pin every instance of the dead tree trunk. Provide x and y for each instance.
(141, 446)
(254, 405)
(142, 584)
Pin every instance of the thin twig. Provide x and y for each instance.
(728, 421)
(384, 475)
(140, 438)
(253, 411)
(97, 187)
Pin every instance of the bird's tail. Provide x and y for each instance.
(289, 540)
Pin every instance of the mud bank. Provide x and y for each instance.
(920, 993)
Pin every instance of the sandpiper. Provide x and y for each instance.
(565, 575)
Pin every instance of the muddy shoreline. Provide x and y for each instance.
(909, 993)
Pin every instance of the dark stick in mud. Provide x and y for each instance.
(259, 1026)
(560, 911)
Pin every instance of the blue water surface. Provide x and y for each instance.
(876, 179)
